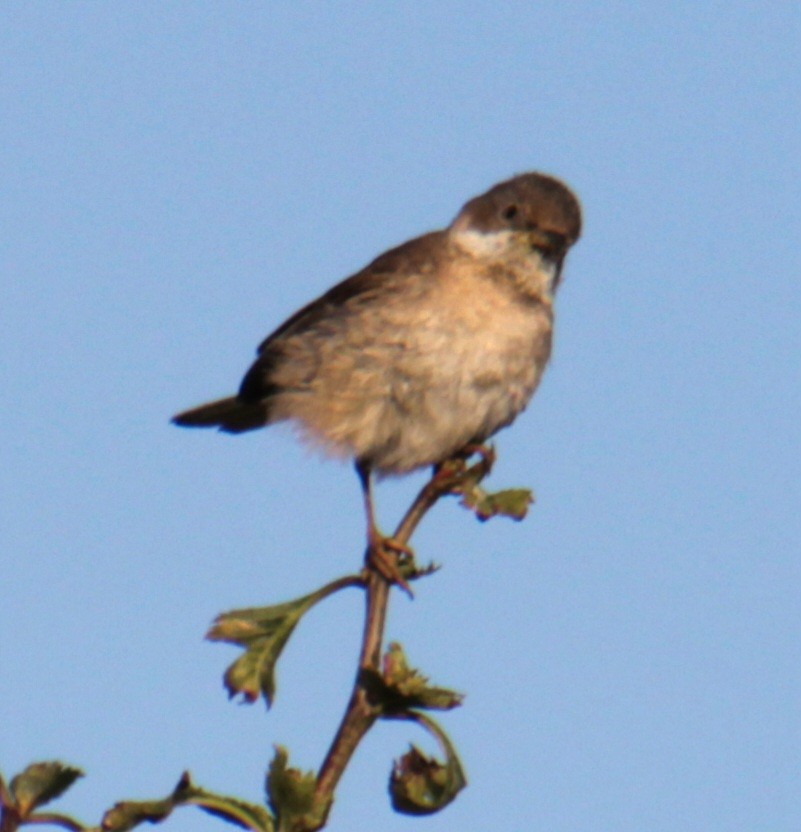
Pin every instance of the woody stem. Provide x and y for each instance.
(361, 713)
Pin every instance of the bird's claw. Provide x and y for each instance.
(383, 556)
(450, 474)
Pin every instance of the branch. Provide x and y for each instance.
(361, 713)
(55, 819)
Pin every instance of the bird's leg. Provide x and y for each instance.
(382, 552)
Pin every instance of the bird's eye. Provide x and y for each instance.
(510, 212)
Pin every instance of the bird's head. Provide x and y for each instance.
(529, 215)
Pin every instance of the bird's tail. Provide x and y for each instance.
(231, 415)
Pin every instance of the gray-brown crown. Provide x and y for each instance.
(530, 201)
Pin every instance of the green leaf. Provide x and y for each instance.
(127, 814)
(464, 480)
(292, 796)
(239, 812)
(512, 502)
(130, 813)
(401, 687)
(422, 785)
(40, 783)
(263, 632)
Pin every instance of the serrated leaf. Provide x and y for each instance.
(292, 796)
(401, 688)
(422, 785)
(127, 814)
(511, 502)
(263, 632)
(40, 783)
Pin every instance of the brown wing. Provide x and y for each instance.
(386, 273)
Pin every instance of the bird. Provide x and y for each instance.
(429, 350)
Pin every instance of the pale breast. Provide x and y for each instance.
(469, 371)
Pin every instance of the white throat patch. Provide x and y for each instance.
(538, 274)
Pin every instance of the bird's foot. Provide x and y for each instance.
(486, 452)
(388, 556)
(450, 474)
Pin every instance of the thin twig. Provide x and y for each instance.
(54, 819)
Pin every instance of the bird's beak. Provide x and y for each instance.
(552, 244)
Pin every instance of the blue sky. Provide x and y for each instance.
(179, 177)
